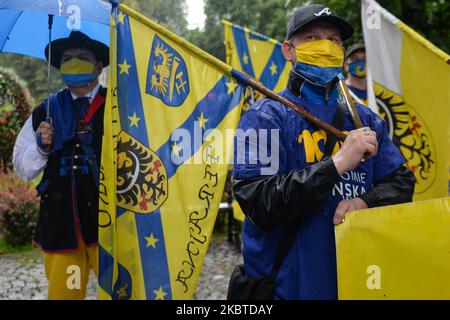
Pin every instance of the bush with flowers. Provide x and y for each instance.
(19, 208)
(15, 107)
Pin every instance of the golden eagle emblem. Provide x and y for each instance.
(167, 74)
(142, 185)
(410, 134)
(159, 80)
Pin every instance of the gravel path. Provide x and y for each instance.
(220, 261)
(22, 275)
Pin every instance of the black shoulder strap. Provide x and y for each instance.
(338, 121)
(291, 231)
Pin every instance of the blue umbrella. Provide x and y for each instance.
(27, 26)
(24, 24)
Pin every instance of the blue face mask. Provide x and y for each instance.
(78, 80)
(319, 61)
(319, 76)
(357, 68)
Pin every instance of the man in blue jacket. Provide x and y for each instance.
(305, 187)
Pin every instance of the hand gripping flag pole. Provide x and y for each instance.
(232, 73)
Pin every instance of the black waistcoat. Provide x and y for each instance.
(69, 193)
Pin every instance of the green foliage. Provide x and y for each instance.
(430, 18)
(19, 207)
(268, 17)
(19, 224)
(35, 73)
(170, 13)
(5, 247)
(14, 110)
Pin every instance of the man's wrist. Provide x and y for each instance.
(42, 152)
(41, 148)
(339, 163)
(371, 198)
(361, 204)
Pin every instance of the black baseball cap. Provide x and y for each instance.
(353, 48)
(304, 16)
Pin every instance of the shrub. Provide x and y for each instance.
(19, 207)
(15, 106)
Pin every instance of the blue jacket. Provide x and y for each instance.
(309, 269)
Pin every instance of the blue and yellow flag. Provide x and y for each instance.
(258, 56)
(168, 137)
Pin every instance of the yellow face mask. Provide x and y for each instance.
(322, 53)
(319, 61)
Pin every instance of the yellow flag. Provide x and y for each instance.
(168, 137)
(256, 55)
(412, 80)
(396, 252)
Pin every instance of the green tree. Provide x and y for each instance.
(35, 72)
(430, 18)
(170, 13)
(267, 17)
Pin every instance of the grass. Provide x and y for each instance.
(7, 248)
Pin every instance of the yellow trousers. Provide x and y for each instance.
(68, 273)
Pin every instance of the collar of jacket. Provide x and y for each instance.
(315, 94)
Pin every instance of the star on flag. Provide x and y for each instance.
(124, 67)
(134, 120)
(202, 121)
(151, 241)
(160, 294)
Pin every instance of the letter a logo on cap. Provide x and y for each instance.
(326, 11)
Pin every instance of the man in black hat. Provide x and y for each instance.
(296, 202)
(66, 145)
(355, 66)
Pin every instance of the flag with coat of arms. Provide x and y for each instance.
(164, 163)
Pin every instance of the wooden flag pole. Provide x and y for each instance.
(350, 104)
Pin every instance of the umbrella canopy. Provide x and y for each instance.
(24, 23)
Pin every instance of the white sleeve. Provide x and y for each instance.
(28, 162)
